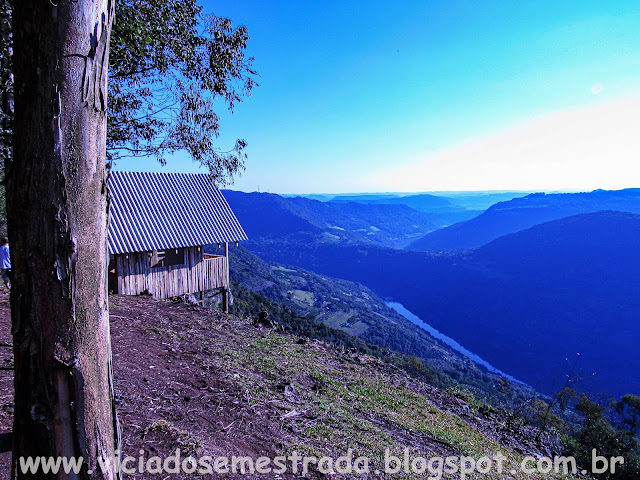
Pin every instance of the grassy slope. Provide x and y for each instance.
(326, 401)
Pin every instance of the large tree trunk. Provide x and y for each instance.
(56, 199)
(6, 80)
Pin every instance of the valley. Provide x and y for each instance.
(527, 302)
(354, 309)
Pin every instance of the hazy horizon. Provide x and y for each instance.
(433, 192)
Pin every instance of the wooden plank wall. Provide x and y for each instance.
(135, 275)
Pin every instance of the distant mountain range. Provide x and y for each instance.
(302, 219)
(524, 302)
(470, 200)
(450, 206)
(521, 213)
(480, 201)
(441, 207)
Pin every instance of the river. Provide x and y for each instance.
(398, 307)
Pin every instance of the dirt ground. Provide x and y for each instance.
(169, 392)
(192, 378)
(6, 377)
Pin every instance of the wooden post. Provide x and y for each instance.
(225, 290)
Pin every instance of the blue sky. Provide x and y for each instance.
(362, 96)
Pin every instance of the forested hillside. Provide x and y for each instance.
(302, 219)
(521, 213)
(354, 309)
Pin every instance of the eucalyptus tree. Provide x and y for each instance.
(56, 205)
(171, 67)
(170, 64)
(6, 102)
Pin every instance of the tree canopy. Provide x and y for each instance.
(171, 66)
(170, 63)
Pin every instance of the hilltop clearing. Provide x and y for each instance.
(212, 384)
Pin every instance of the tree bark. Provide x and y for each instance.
(56, 202)
(6, 49)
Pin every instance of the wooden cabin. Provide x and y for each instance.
(159, 225)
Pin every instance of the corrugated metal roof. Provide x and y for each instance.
(162, 210)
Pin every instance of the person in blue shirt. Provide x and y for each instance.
(5, 262)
